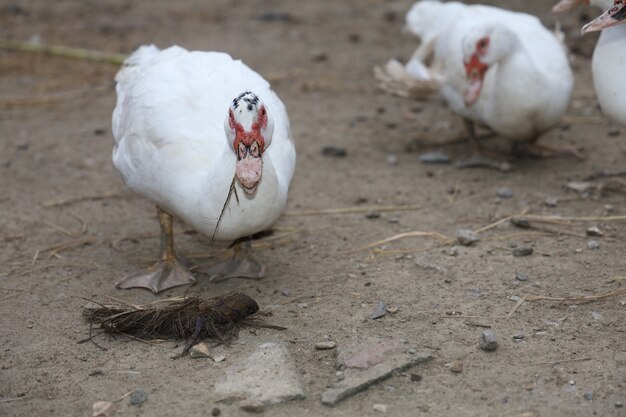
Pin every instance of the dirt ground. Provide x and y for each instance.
(58, 186)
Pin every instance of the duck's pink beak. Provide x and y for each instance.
(565, 5)
(614, 16)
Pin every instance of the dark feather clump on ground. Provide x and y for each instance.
(189, 318)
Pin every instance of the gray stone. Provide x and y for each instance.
(488, 340)
(138, 397)
(326, 345)
(453, 251)
(596, 315)
(380, 311)
(518, 337)
(520, 276)
(593, 245)
(456, 367)
(522, 251)
(367, 363)
(466, 237)
(372, 215)
(595, 232)
(252, 406)
(436, 157)
(216, 411)
(268, 376)
(334, 151)
(521, 222)
(551, 201)
(588, 396)
(392, 159)
(504, 192)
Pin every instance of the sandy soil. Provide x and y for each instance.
(56, 145)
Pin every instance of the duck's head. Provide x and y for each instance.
(482, 47)
(566, 5)
(615, 15)
(249, 130)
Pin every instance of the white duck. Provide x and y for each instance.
(191, 129)
(494, 67)
(608, 56)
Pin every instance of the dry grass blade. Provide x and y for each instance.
(91, 197)
(578, 299)
(416, 233)
(63, 51)
(350, 210)
(560, 361)
(54, 250)
(561, 220)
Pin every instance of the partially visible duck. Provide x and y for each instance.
(493, 67)
(609, 59)
(203, 137)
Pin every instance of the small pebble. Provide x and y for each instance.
(372, 214)
(252, 406)
(619, 404)
(456, 367)
(596, 315)
(334, 151)
(520, 276)
(200, 350)
(522, 251)
(138, 397)
(609, 208)
(551, 201)
(518, 337)
(588, 396)
(219, 358)
(595, 232)
(380, 311)
(392, 159)
(488, 341)
(325, 345)
(416, 377)
(614, 132)
(216, 411)
(436, 157)
(453, 251)
(521, 222)
(466, 237)
(380, 408)
(514, 298)
(504, 192)
(593, 244)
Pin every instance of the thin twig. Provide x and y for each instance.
(349, 210)
(231, 189)
(416, 233)
(63, 51)
(560, 361)
(579, 299)
(8, 400)
(70, 200)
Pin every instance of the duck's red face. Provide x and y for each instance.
(247, 129)
(475, 70)
(614, 16)
(565, 5)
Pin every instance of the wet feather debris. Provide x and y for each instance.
(188, 318)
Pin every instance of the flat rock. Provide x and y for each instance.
(466, 237)
(369, 362)
(380, 311)
(325, 345)
(436, 157)
(138, 397)
(267, 376)
(522, 251)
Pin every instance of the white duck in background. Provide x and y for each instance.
(191, 129)
(609, 58)
(493, 67)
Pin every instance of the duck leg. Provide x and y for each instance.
(169, 271)
(241, 264)
(481, 157)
